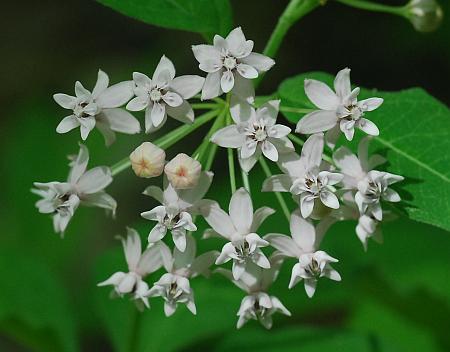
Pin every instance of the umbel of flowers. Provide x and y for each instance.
(325, 190)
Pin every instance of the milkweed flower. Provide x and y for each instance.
(425, 15)
(139, 266)
(148, 160)
(164, 94)
(176, 209)
(258, 304)
(61, 199)
(174, 286)
(183, 172)
(239, 228)
(304, 178)
(99, 109)
(230, 65)
(340, 111)
(303, 244)
(254, 132)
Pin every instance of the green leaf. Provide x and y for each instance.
(415, 130)
(202, 16)
(34, 307)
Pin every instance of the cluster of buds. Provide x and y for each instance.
(325, 190)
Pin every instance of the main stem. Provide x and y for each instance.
(372, 6)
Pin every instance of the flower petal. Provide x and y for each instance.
(241, 210)
(138, 103)
(94, 180)
(329, 199)
(219, 220)
(182, 113)
(302, 231)
(284, 244)
(247, 71)
(259, 216)
(321, 95)
(187, 86)
(116, 95)
(158, 113)
(368, 126)
(269, 151)
(317, 121)
(101, 84)
(277, 183)
(227, 81)
(172, 99)
(122, 121)
(259, 61)
(370, 104)
(211, 88)
(67, 124)
(342, 84)
(65, 101)
(228, 137)
(164, 65)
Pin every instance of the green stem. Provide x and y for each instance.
(372, 6)
(205, 106)
(201, 149)
(169, 139)
(211, 156)
(231, 163)
(280, 198)
(245, 181)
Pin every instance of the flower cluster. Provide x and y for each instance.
(325, 189)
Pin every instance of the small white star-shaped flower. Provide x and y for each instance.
(339, 111)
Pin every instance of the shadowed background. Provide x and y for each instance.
(394, 298)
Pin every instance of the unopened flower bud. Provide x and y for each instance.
(183, 171)
(425, 15)
(147, 160)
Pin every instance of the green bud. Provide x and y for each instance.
(425, 15)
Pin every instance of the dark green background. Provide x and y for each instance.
(394, 298)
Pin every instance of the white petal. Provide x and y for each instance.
(141, 80)
(279, 131)
(122, 121)
(303, 232)
(158, 113)
(164, 65)
(247, 71)
(179, 238)
(211, 88)
(81, 92)
(310, 287)
(116, 95)
(332, 136)
(114, 279)
(238, 269)
(312, 150)
(370, 104)
(306, 205)
(259, 216)
(391, 196)
(138, 103)
(235, 40)
(227, 81)
(317, 121)
(368, 126)
(241, 110)
(283, 243)
(187, 86)
(228, 137)
(65, 101)
(342, 84)
(206, 52)
(127, 284)
(132, 248)
(295, 275)
(248, 163)
(172, 99)
(261, 62)
(329, 199)
(157, 233)
(248, 149)
(101, 84)
(241, 210)
(321, 95)
(67, 124)
(277, 183)
(244, 88)
(169, 308)
(219, 220)
(182, 113)
(224, 257)
(346, 161)
(269, 151)
(94, 180)
(100, 200)
(86, 126)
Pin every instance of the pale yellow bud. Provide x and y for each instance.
(183, 171)
(425, 15)
(147, 160)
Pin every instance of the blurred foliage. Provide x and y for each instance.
(395, 297)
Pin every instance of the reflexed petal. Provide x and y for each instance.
(317, 121)
(321, 95)
(94, 180)
(247, 71)
(157, 233)
(132, 248)
(348, 162)
(65, 101)
(206, 52)
(67, 124)
(295, 275)
(228, 137)
(116, 95)
(219, 220)
(101, 84)
(179, 238)
(244, 88)
(86, 126)
(279, 131)
(259, 216)
(370, 104)
(329, 199)
(276, 303)
(80, 91)
(164, 65)
(312, 150)
(238, 269)
(158, 113)
(284, 244)
(138, 103)
(342, 84)
(269, 151)
(277, 183)
(108, 134)
(368, 126)
(227, 81)
(306, 205)
(261, 62)
(283, 145)
(169, 308)
(248, 163)
(310, 287)
(114, 279)
(122, 121)
(187, 86)
(172, 99)
(302, 231)
(182, 113)
(241, 210)
(224, 257)
(211, 88)
(100, 200)
(391, 196)
(332, 274)
(154, 192)
(127, 284)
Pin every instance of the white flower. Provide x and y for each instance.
(303, 244)
(368, 228)
(174, 214)
(254, 131)
(230, 65)
(61, 199)
(164, 95)
(174, 286)
(303, 177)
(183, 172)
(373, 188)
(239, 228)
(148, 160)
(139, 266)
(339, 111)
(99, 109)
(258, 305)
